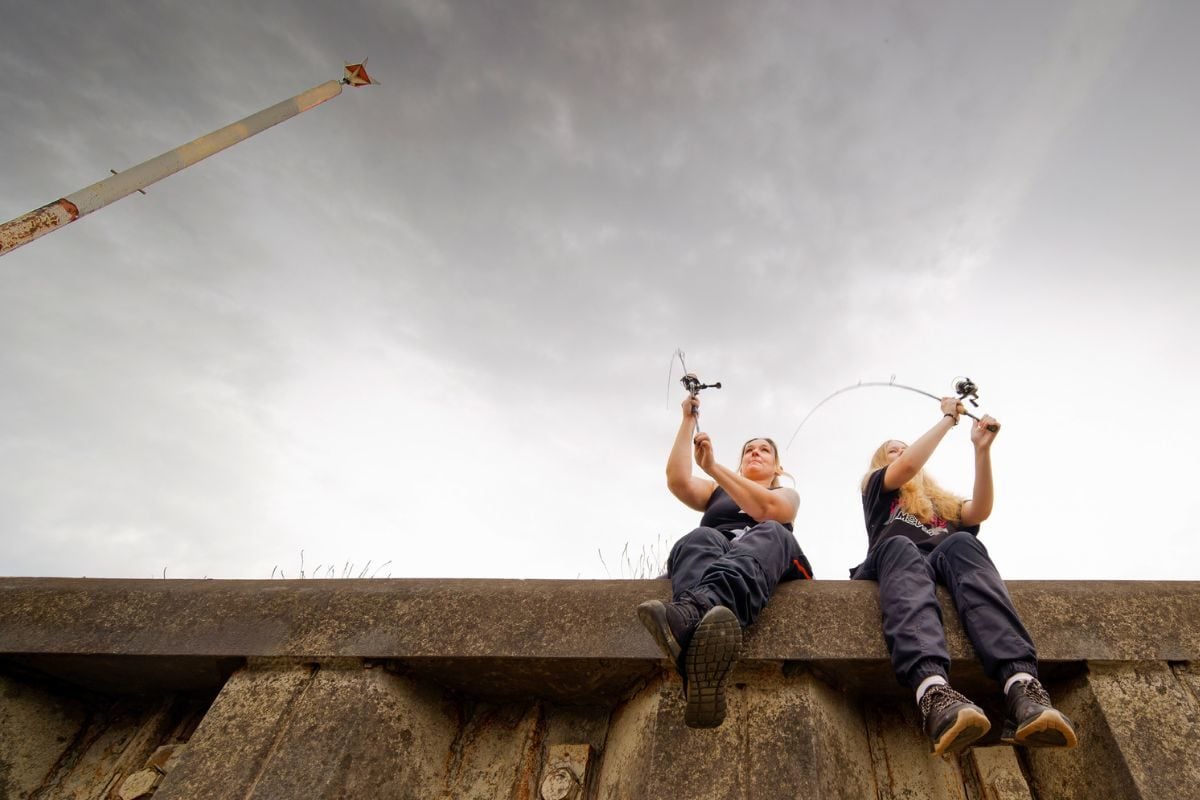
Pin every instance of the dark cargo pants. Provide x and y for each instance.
(912, 616)
(709, 569)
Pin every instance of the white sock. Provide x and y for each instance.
(1020, 676)
(932, 680)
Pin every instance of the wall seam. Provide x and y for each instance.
(285, 723)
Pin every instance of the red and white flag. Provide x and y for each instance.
(356, 75)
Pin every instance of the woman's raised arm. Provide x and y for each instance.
(979, 507)
(693, 492)
(913, 459)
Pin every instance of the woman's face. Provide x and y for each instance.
(758, 460)
(894, 449)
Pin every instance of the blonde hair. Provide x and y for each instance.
(775, 450)
(921, 496)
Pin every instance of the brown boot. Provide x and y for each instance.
(1031, 721)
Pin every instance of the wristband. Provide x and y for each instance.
(951, 416)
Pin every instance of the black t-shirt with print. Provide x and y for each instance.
(885, 518)
(726, 516)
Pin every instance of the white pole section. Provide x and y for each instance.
(40, 221)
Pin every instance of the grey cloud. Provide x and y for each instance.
(546, 198)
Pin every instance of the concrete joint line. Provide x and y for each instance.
(1180, 671)
(281, 731)
(1109, 671)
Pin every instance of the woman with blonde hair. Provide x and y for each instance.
(723, 572)
(920, 535)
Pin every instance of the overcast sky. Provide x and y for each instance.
(428, 324)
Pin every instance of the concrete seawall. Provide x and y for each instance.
(532, 689)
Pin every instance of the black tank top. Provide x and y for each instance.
(724, 515)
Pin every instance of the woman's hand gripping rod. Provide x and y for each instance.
(967, 390)
(693, 386)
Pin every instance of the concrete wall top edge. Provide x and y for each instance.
(542, 619)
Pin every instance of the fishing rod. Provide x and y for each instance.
(690, 382)
(964, 388)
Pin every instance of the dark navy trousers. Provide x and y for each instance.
(912, 616)
(708, 569)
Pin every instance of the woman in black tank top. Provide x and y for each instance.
(723, 572)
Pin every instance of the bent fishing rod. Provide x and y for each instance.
(964, 388)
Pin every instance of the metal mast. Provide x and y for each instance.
(40, 221)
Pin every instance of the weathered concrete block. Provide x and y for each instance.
(287, 731)
(631, 736)
(36, 728)
(281, 732)
(998, 773)
(782, 735)
(360, 733)
(573, 725)
(786, 736)
(1138, 727)
(497, 754)
(115, 740)
(1093, 768)
(231, 746)
(903, 761)
(1154, 718)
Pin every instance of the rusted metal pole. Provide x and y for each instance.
(40, 221)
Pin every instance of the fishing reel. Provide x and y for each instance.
(693, 384)
(967, 390)
(690, 382)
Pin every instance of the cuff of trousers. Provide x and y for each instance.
(699, 598)
(927, 668)
(1013, 667)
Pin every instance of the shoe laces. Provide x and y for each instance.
(1034, 691)
(938, 698)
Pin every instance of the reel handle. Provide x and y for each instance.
(693, 384)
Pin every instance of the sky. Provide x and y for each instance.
(426, 328)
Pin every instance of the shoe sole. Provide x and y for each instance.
(1048, 729)
(968, 726)
(710, 657)
(653, 616)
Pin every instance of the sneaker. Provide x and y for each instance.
(671, 625)
(1031, 720)
(709, 658)
(952, 721)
